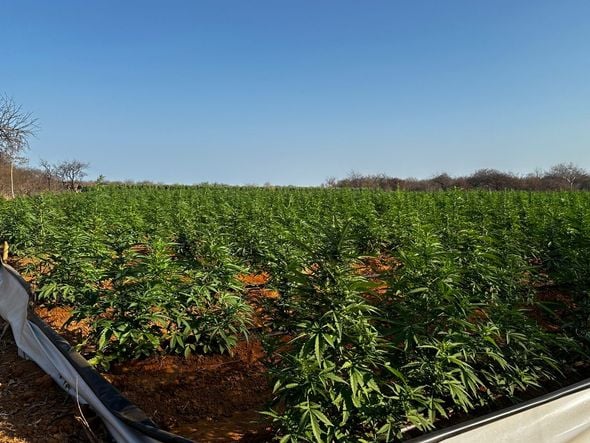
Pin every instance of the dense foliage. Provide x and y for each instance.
(395, 309)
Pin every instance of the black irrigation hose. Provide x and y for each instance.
(110, 396)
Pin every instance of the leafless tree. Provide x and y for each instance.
(16, 127)
(330, 182)
(49, 172)
(568, 172)
(71, 172)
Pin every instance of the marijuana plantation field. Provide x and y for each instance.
(370, 315)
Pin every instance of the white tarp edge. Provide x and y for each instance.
(36, 346)
(564, 420)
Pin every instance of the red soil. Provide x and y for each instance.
(256, 294)
(259, 279)
(372, 267)
(32, 407)
(57, 318)
(206, 398)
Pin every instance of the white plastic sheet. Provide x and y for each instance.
(36, 346)
(564, 420)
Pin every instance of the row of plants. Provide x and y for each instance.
(434, 337)
(142, 298)
(477, 296)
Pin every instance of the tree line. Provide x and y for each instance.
(16, 128)
(564, 176)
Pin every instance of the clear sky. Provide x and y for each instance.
(292, 92)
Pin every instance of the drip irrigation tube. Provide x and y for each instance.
(41, 344)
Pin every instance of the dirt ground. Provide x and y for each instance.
(213, 398)
(204, 398)
(207, 399)
(32, 407)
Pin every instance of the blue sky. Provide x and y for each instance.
(294, 92)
